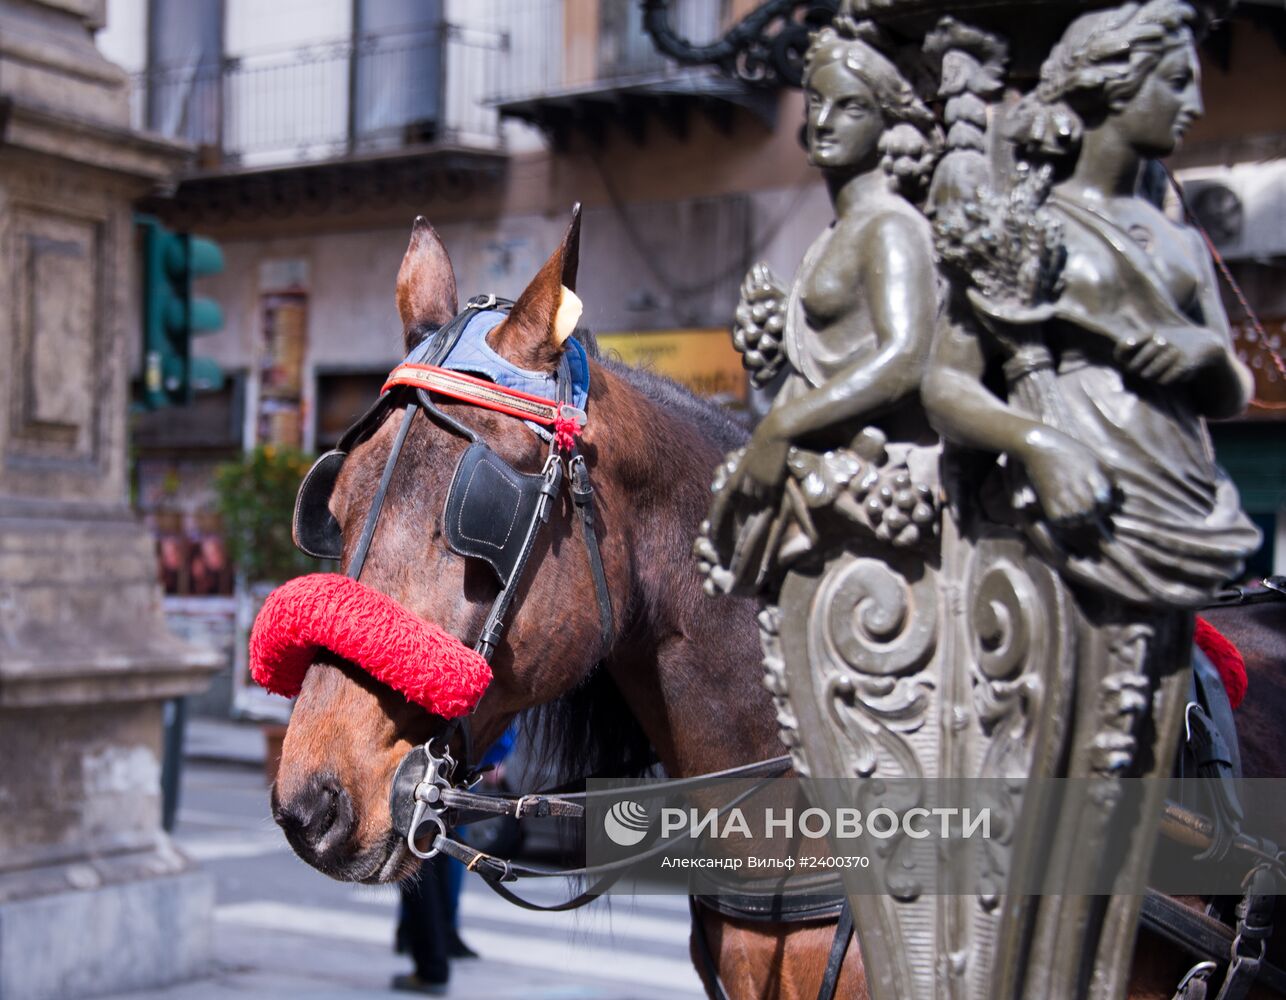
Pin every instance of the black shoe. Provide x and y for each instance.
(411, 983)
(456, 948)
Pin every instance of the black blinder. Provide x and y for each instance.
(314, 528)
(490, 508)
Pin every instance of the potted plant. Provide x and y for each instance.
(256, 500)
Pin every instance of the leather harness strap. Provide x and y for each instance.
(495, 871)
(1210, 751)
(494, 629)
(1254, 927)
(466, 806)
(701, 945)
(1200, 935)
(775, 909)
(377, 502)
(839, 948)
(480, 392)
(710, 965)
(583, 500)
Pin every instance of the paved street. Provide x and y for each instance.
(282, 929)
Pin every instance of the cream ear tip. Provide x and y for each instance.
(569, 312)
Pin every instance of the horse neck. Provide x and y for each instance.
(689, 666)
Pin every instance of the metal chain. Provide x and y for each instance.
(1233, 284)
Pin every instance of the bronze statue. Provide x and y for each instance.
(1015, 597)
(1100, 321)
(1127, 498)
(856, 328)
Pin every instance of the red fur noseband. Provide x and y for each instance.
(325, 611)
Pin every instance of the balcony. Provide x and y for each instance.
(311, 125)
(586, 65)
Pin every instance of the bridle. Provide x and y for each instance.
(493, 512)
(486, 494)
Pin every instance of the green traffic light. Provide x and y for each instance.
(172, 315)
(204, 315)
(172, 249)
(204, 257)
(206, 375)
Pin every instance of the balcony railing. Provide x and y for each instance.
(372, 95)
(560, 46)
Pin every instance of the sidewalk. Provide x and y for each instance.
(281, 929)
(250, 961)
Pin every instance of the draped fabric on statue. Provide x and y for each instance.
(1178, 532)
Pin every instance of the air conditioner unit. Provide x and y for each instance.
(1242, 207)
(1218, 209)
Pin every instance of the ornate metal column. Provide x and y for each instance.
(982, 509)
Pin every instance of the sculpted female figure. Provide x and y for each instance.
(860, 318)
(1095, 346)
(1135, 347)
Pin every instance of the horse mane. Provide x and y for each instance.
(590, 730)
(717, 423)
(728, 430)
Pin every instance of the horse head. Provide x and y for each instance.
(649, 450)
(348, 732)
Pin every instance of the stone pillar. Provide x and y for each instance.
(93, 896)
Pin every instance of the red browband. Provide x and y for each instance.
(468, 389)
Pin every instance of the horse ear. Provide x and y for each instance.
(547, 311)
(426, 295)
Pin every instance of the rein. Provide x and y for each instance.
(445, 805)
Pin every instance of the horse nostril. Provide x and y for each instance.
(318, 819)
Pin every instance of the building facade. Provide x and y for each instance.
(1233, 170)
(324, 126)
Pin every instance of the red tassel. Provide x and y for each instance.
(565, 431)
(1227, 659)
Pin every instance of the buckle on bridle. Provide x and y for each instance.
(429, 805)
(488, 301)
(1201, 972)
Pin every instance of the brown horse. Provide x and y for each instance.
(681, 673)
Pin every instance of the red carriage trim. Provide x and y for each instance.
(326, 611)
(1226, 658)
